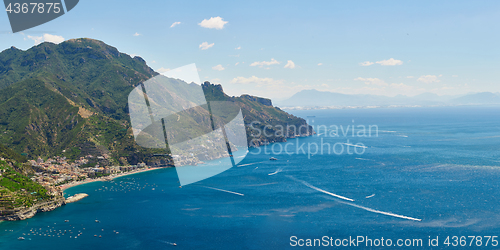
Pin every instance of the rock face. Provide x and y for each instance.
(26, 213)
(263, 101)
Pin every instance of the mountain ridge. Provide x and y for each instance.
(315, 98)
(70, 99)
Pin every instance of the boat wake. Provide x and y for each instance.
(263, 184)
(352, 145)
(170, 243)
(381, 212)
(277, 171)
(363, 159)
(250, 164)
(352, 204)
(227, 191)
(319, 189)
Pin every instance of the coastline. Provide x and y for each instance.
(106, 178)
(30, 212)
(23, 214)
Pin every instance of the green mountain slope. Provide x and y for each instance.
(85, 71)
(71, 100)
(69, 97)
(258, 113)
(16, 189)
(35, 119)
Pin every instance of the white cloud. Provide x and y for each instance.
(47, 38)
(162, 70)
(238, 47)
(409, 77)
(215, 81)
(256, 80)
(289, 65)
(390, 62)
(367, 63)
(265, 87)
(373, 81)
(137, 34)
(454, 76)
(403, 88)
(218, 67)
(264, 63)
(236, 64)
(205, 45)
(175, 24)
(428, 79)
(319, 64)
(213, 23)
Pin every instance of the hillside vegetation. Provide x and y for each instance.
(16, 188)
(71, 100)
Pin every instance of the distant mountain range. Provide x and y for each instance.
(315, 98)
(71, 100)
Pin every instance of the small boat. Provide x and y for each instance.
(97, 221)
(273, 159)
(175, 244)
(20, 238)
(66, 220)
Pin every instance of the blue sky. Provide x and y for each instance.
(408, 48)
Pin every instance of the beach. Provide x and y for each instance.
(105, 178)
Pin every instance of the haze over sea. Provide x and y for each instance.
(437, 165)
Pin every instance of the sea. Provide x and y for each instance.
(421, 178)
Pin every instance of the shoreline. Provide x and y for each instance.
(32, 211)
(107, 178)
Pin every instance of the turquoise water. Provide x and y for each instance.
(438, 165)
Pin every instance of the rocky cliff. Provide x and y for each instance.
(26, 213)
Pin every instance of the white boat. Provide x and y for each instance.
(273, 159)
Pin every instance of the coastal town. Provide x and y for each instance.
(53, 176)
(58, 173)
